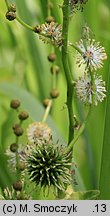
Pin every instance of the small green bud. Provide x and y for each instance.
(10, 15)
(46, 102)
(23, 115)
(17, 185)
(15, 104)
(37, 29)
(50, 5)
(13, 147)
(55, 68)
(22, 197)
(54, 93)
(50, 19)
(13, 8)
(21, 166)
(18, 131)
(52, 57)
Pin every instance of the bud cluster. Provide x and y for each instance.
(11, 13)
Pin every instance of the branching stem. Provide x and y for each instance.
(24, 24)
(47, 111)
(75, 47)
(7, 4)
(72, 143)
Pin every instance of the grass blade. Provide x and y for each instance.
(104, 183)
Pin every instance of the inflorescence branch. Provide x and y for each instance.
(90, 88)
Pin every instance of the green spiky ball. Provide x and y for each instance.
(48, 166)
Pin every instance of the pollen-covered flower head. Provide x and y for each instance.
(12, 156)
(88, 93)
(50, 33)
(92, 54)
(75, 5)
(38, 131)
(48, 166)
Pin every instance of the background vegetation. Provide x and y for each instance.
(25, 74)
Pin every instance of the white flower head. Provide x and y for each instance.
(51, 33)
(92, 54)
(38, 131)
(88, 93)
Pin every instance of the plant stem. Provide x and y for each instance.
(49, 10)
(7, 4)
(47, 111)
(68, 74)
(24, 24)
(54, 79)
(17, 160)
(76, 48)
(71, 145)
(18, 172)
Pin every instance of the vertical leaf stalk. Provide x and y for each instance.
(66, 68)
(104, 183)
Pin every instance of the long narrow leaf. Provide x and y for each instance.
(104, 184)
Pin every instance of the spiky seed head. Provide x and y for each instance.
(48, 166)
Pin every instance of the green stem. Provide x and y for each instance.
(68, 74)
(7, 4)
(49, 10)
(71, 145)
(54, 79)
(47, 111)
(18, 172)
(76, 48)
(92, 84)
(17, 160)
(24, 24)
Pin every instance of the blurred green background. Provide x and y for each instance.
(24, 68)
